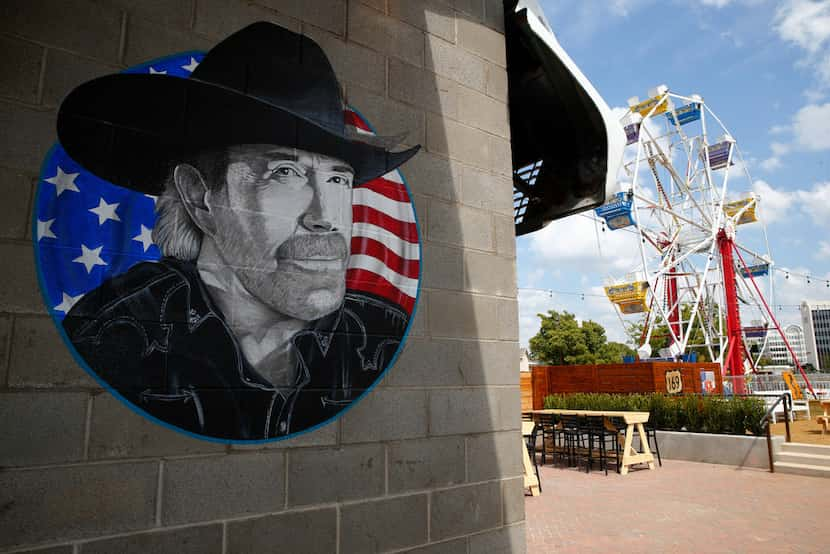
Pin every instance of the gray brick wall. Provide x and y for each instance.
(429, 462)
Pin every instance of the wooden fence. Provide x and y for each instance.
(617, 378)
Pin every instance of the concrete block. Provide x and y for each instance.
(494, 14)
(116, 431)
(169, 13)
(485, 113)
(385, 34)
(490, 363)
(42, 428)
(383, 525)
(513, 498)
(507, 540)
(485, 190)
(352, 63)
(379, 5)
(501, 157)
(204, 539)
(733, 450)
(27, 136)
(473, 9)
(458, 141)
(488, 274)
(433, 175)
(325, 14)
(201, 489)
(16, 190)
(482, 41)
(423, 88)
(309, 532)
(5, 338)
(421, 204)
(508, 319)
(425, 464)
(65, 71)
(390, 118)
(147, 40)
(386, 414)
(418, 326)
(463, 411)
(219, 18)
(455, 546)
(64, 503)
(443, 266)
(454, 63)
(427, 362)
(497, 82)
(20, 69)
(86, 27)
(436, 17)
(464, 510)
(494, 456)
(460, 226)
(322, 436)
(40, 358)
(346, 473)
(65, 549)
(505, 230)
(460, 315)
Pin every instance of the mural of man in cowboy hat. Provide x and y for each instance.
(244, 330)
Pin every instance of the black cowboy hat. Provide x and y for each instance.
(262, 85)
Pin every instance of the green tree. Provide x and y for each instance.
(661, 338)
(561, 340)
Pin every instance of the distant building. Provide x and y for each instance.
(777, 350)
(524, 361)
(815, 319)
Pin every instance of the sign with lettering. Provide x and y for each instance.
(793, 385)
(674, 382)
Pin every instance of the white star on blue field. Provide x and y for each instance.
(86, 229)
(763, 66)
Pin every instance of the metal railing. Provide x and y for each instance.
(765, 422)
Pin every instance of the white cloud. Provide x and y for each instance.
(775, 204)
(531, 303)
(823, 250)
(716, 3)
(771, 164)
(573, 241)
(810, 125)
(805, 23)
(816, 202)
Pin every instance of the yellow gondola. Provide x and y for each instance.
(655, 96)
(748, 216)
(629, 297)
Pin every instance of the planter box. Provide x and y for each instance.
(733, 450)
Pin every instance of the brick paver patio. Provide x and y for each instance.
(681, 507)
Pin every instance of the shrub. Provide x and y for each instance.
(698, 414)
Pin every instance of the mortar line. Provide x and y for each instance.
(122, 43)
(224, 537)
(8, 373)
(88, 426)
(159, 486)
(41, 80)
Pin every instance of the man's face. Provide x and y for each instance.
(283, 223)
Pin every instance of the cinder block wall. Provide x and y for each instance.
(430, 461)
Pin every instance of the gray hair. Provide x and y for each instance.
(175, 233)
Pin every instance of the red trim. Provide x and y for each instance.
(362, 280)
(387, 188)
(371, 247)
(366, 214)
(351, 118)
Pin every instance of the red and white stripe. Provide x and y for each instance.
(386, 252)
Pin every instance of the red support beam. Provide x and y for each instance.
(734, 362)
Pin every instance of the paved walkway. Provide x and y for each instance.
(681, 507)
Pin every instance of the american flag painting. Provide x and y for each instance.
(88, 230)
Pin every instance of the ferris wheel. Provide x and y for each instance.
(703, 283)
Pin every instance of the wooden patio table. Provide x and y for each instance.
(632, 420)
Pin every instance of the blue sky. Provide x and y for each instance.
(763, 67)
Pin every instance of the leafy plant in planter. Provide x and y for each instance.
(697, 414)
